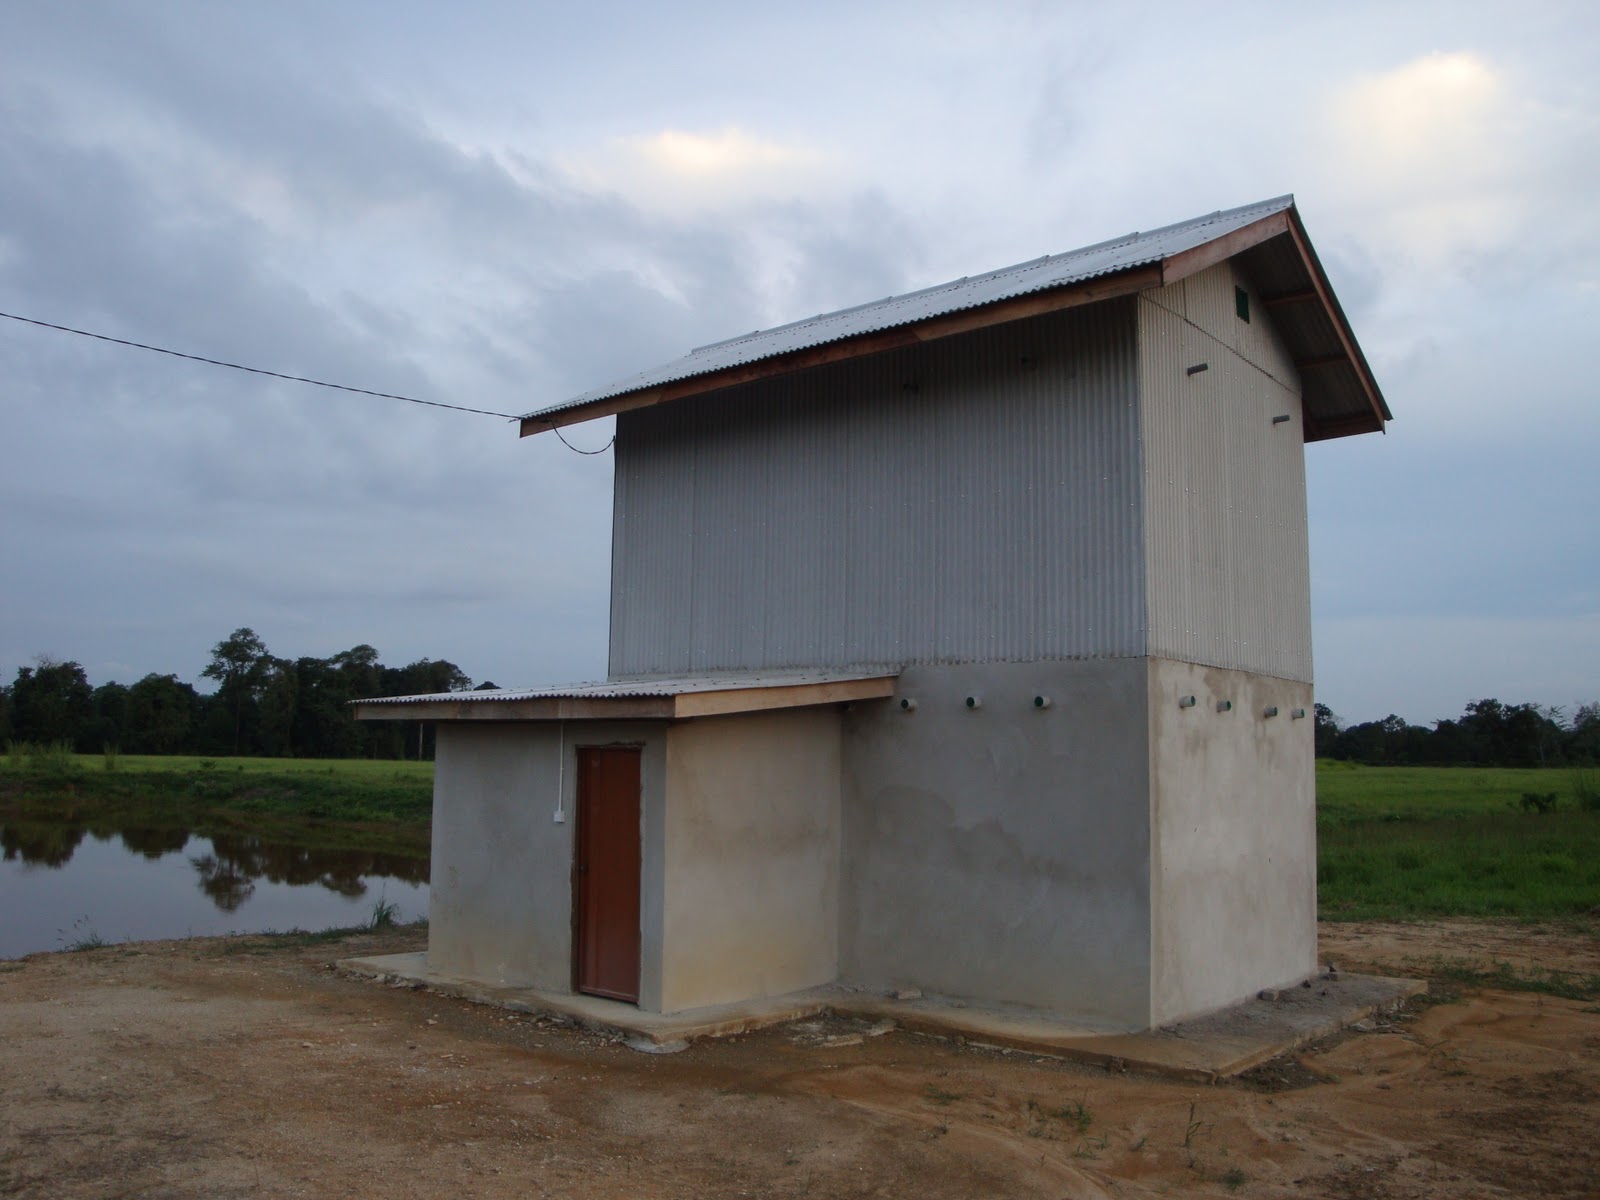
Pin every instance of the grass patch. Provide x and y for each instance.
(81, 936)
(1565, 984)
(290, 939)
(1351, 794)
(1405, 842)
(385, 914)
(1528, 866)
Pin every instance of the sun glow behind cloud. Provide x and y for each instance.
(678, 171)
(730, 152)
(1435, 149)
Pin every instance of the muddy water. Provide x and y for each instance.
(61, 884)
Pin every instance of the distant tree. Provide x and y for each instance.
(1508, 735)
(322, 721)
(238, 664)
(5, 714)
(359, 668)
(53, 702)
(1583, 734)
(314, 712)
(424, 677)
(280, 696)
(161, 715)
(1327, 731)
(110, 716)
(353, 674)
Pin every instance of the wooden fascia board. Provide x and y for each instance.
(708, 704)
(1107, 287)
(621, 708)
(1209, 254)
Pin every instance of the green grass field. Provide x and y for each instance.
(380, 805)
(1404, 842)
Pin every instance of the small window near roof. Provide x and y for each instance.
(1241, 303)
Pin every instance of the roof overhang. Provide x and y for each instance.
(632, 700)
(1340, 394)
(1106, 287)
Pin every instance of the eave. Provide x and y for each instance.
(660, 700)
(1340, 395)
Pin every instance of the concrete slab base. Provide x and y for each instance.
(1215, 1046)
(594, 1012)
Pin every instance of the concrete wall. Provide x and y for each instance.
(1003, 853)
(751, 856)
(1233, 893)
(500, 902)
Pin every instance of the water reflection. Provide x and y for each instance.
(228, 874)
(39, 843)
(154, 843)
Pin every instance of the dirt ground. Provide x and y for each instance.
(233, 1067)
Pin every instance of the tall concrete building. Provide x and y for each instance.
(959, 641)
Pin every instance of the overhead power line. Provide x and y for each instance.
(217, 362)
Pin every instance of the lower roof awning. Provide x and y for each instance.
(668, 699)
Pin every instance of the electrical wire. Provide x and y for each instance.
(217, 362)
(555, 429)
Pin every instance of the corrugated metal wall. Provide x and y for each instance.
(1225, 507)
(977, 498)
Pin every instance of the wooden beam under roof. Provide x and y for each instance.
(1347, 342)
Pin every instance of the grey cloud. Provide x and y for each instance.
(203, 499)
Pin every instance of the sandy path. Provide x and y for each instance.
(225, 1068)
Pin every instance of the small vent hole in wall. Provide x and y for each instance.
(1241, 304)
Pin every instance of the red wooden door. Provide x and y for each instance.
(606, 874)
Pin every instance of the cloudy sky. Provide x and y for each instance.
(500, 205)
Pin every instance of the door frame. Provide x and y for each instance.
(579, 844)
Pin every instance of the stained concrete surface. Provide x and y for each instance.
(1216, 1046)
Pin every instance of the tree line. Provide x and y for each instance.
(271, 706)
(1487, 734)
(263, 705)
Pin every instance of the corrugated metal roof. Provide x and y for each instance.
(1042, 274)
(626, 689)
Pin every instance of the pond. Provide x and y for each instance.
(61, 885)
